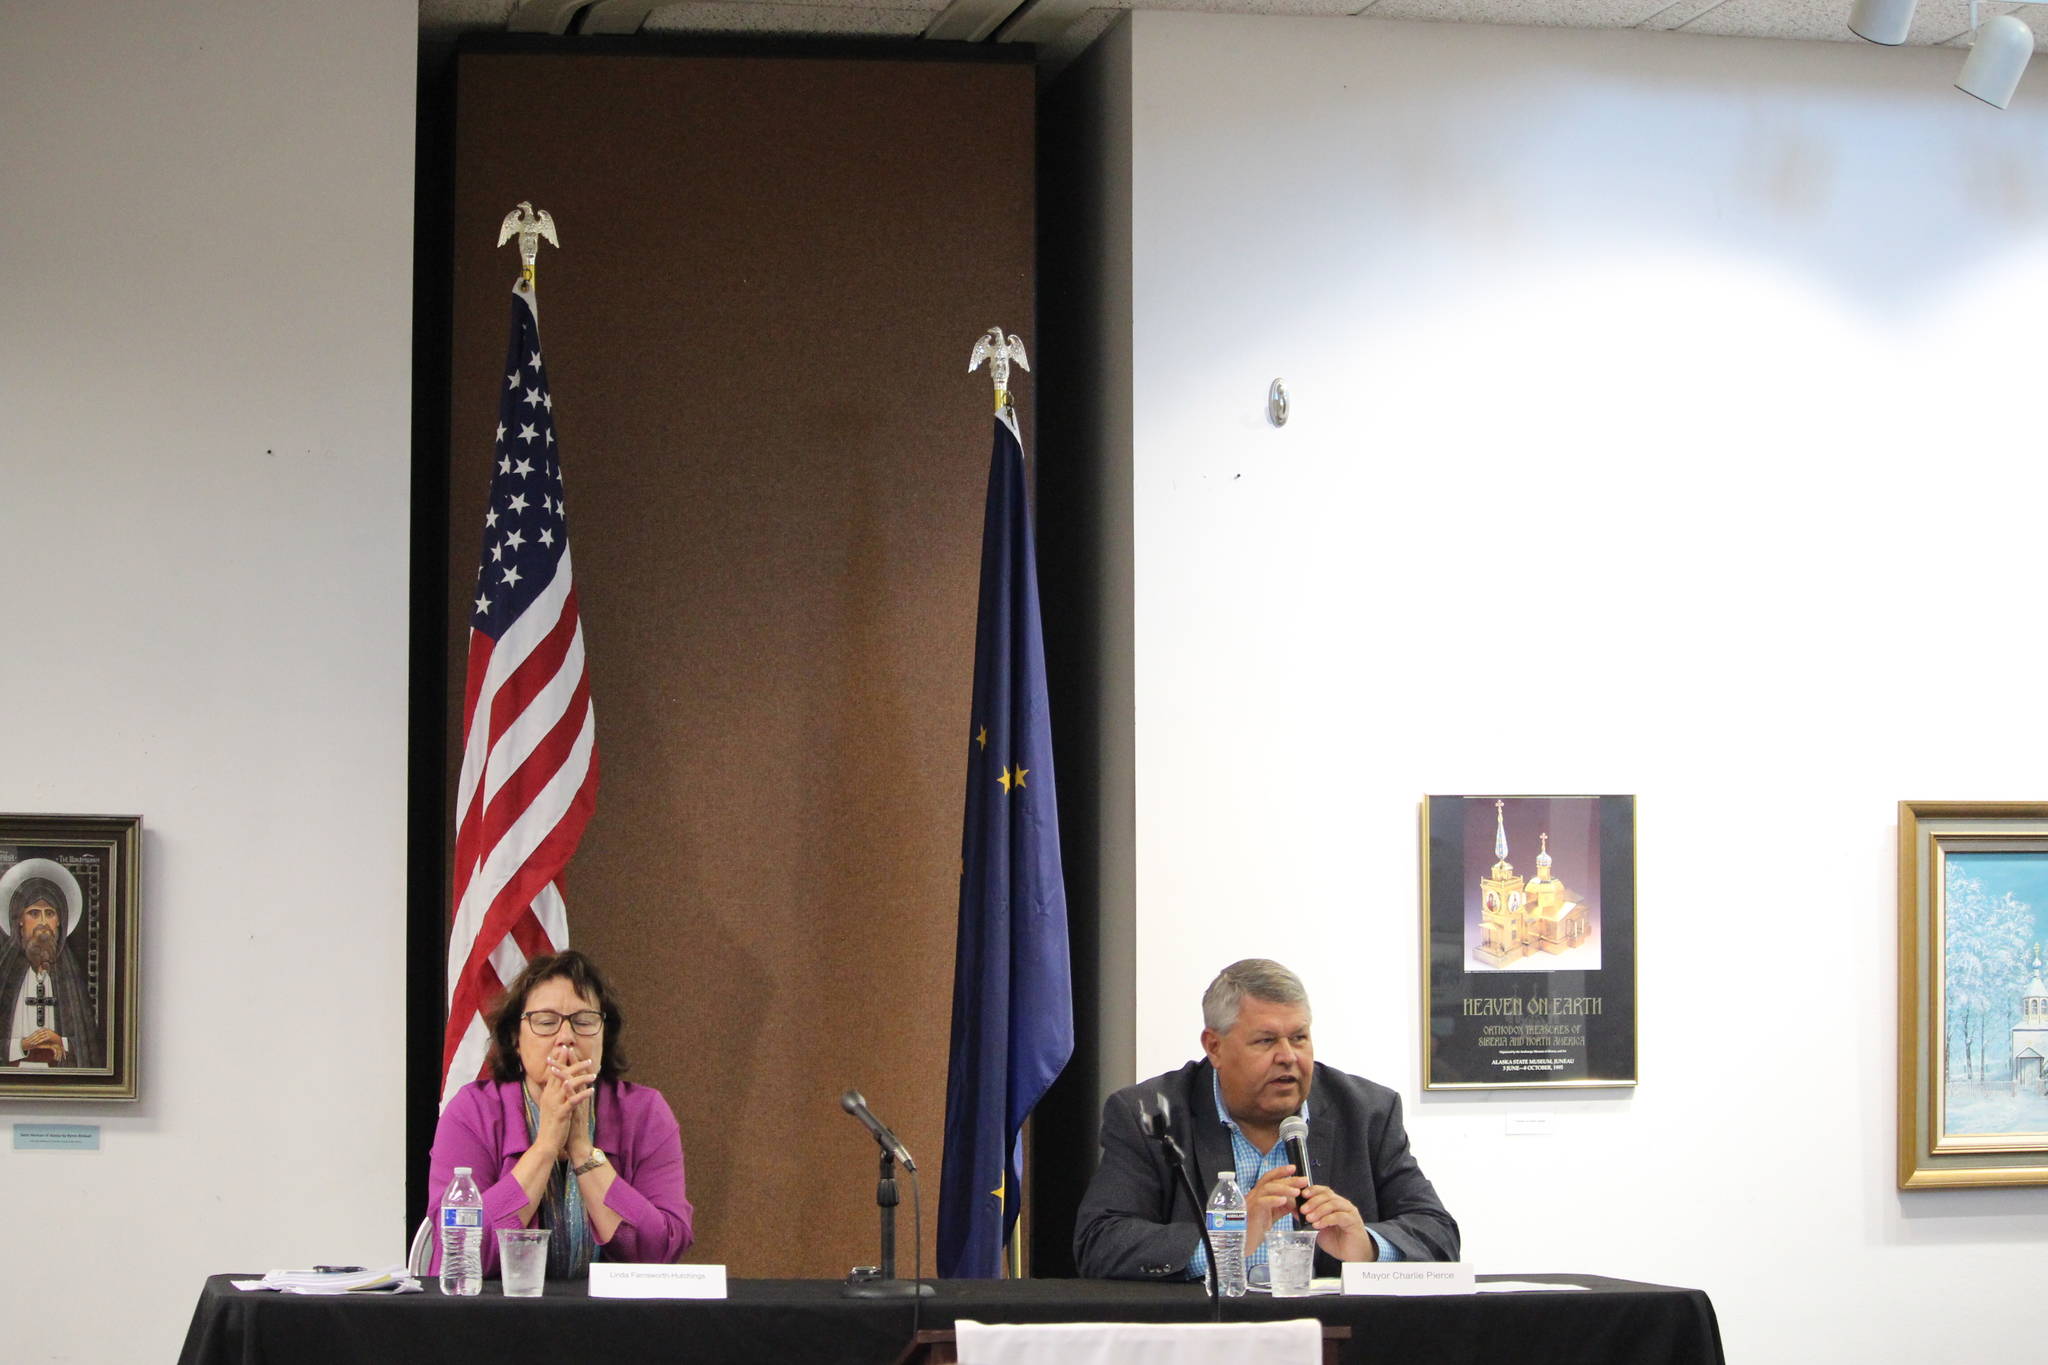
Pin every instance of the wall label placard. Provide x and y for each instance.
(56, 1137)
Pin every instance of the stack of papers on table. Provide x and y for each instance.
(390, 1279)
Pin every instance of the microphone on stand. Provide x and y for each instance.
(1294, 1133)
(854, 1103)
(1156, 1124)
(880, 1282)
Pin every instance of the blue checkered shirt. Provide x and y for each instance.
(1251, 1165)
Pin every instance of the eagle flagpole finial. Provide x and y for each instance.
(999, 351)
(530, 227)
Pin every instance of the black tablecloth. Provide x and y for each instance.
(793, 1322)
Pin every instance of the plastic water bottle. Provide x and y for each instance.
(1226, 1233)
(462, 1235)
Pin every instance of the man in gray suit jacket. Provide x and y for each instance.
(1370, 1201)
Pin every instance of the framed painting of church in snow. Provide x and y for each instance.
(1529, 933)
(1973, 993)
(68, 899)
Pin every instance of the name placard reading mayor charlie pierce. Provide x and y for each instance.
(1529, 923)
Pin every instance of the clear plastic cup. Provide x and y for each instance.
(1291, 1253)
(523, 1261)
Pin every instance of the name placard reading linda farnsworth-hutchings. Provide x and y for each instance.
(657, 1281)
(1402, 1277)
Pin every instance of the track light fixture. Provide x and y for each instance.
(1999, 49)
(1882, 21)
(1998, 57)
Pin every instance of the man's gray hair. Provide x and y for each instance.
(1259, 977)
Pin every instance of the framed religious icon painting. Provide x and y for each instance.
(1973, 993)
(1528, 941)
(68, 968)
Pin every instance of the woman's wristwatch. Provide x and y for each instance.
(596, 1160)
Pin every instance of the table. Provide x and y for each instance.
(942, 1347)
(794, 1322)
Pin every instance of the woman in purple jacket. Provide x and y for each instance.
(556, 1140)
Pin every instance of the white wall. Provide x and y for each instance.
(1663, 424)
(205, 378)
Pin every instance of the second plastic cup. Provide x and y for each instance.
(523, 1261)
(1292, 1255)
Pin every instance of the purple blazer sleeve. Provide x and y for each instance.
(473, 1133)
(648, 1195)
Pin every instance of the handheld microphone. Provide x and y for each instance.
(853, 1103)
(1294, 1132)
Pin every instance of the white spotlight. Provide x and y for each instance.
(1997, 59)
(1882, 21)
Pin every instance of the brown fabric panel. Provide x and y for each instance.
(757, 328)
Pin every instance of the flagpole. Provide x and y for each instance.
(1013, 1252)
(1001, 351)
(1012, 981)
(514, 832)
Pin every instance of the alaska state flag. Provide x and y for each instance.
(1013, 1011)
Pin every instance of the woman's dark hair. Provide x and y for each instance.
(580, 972)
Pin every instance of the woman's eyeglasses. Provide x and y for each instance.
(547, 1023)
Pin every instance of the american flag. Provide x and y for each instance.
(529, 753)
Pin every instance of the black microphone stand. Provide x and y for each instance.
(887, 1286)
(1178, 1159)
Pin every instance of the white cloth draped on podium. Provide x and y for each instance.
(1299, 1342)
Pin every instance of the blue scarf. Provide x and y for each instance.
(561, 1209)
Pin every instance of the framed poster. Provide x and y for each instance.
(1973, 1000)
(1529, 941)
(68, 908)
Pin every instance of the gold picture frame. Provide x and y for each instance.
(1973, 1004)
(70, 890)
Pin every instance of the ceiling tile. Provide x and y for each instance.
(905, 19)
(1548, 13)
(1321, 8)
(1678, 12)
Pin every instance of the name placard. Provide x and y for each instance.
(1407, 1277)
(56, 1137)
(656, 1281)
